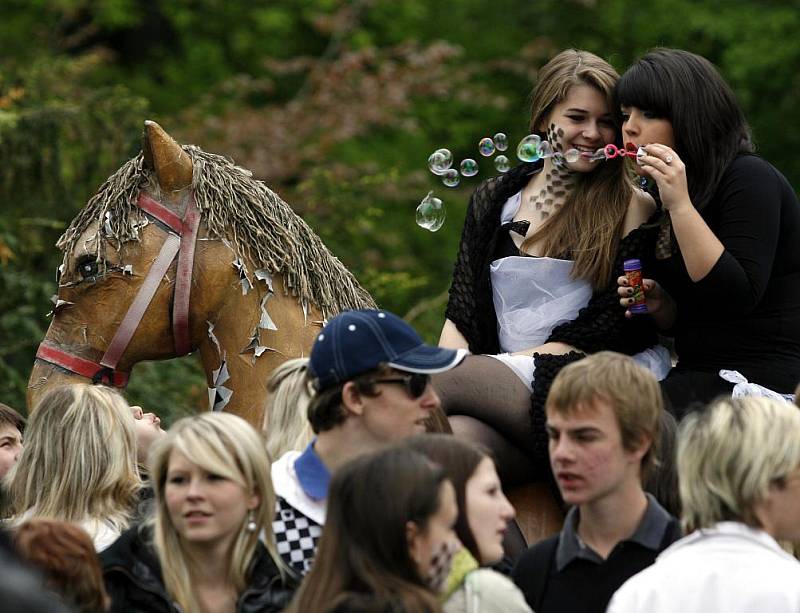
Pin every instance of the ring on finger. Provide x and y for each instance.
(668, 159)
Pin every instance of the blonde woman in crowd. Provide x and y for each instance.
(79, 462)
(286, 424)
(201, 552)
(739, 474)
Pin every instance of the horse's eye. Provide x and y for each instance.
(87, 267)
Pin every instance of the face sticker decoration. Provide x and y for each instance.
(441, 563)
(559, 179)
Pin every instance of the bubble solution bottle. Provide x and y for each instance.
(633, 272)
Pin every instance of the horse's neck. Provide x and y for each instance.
(252, 335)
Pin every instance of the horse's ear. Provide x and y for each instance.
(171, 163)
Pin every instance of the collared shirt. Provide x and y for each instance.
(313, 475)
(649, 534)
(728, 567)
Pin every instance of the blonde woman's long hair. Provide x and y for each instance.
(79, 458)
(226, 445)
(588, 227)
(286, 424)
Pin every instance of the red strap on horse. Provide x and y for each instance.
(80, 366)
(142, 300)
(183, 279)
(160, 212)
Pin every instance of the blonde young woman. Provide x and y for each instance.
(79, 462)
(201, 552)
(534, 285)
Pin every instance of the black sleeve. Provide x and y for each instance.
(465, 307)
(533, 570)
(117, 584)
(746, 220)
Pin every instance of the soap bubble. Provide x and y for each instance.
(450, 177)
(501, 163)
(439, 161)
(469, 167)
(528, 148)
(430, 213)
(486, 146)
(545, 150)
(500, 141)
(598, 156)
(572, 155)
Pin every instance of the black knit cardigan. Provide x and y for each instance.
(600, 325)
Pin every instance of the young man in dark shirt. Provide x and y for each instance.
(603, 416)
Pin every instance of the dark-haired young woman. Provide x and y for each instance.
(725, 279)
(483, 517)
(388, 539)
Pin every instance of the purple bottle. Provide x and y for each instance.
(633, 272)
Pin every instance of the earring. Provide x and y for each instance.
(251, 522)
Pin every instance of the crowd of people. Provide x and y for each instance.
(677, 468)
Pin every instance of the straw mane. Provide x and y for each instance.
(262, 229)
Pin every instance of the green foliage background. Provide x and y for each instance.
(335, 104)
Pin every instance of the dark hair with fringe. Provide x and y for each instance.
(709, 126)
(364, 549)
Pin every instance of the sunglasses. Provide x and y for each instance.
(415, 383)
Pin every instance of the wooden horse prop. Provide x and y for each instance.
(178, 251)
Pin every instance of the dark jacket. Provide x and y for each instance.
(133, 579)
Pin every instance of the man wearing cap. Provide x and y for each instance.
(371, 372)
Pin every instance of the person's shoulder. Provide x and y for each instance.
(495, 190)
(131, 544)
(640, 209)
(495, 591)
(537, 558)
(751, 167)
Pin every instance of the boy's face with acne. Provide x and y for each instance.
(587, 456)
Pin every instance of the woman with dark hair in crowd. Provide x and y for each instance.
(388, 539)
(534, 285)
(64, 554)
(202, 552)
(79, 462)
(726, 268)
(483, 517)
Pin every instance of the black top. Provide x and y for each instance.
(563, 574)
(745, 313)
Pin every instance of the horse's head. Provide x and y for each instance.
(182, 250)
(109, 249)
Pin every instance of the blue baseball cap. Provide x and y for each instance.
(358, 341)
